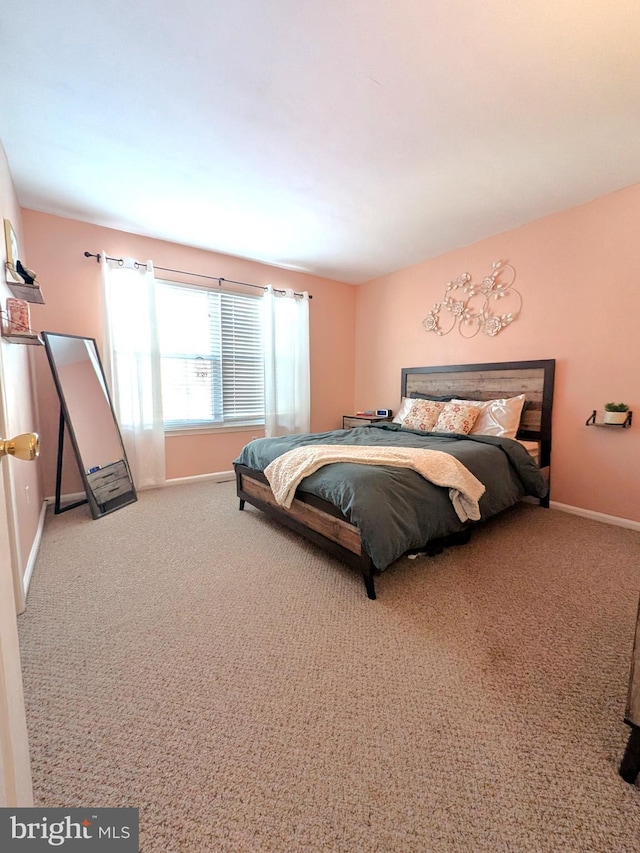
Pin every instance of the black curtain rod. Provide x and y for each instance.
(219, 279)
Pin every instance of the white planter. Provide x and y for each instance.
(615, 417)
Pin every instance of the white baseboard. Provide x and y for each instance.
(225, 476)
(72, 497)
(31, 562)
(219, 477)
(596, 516)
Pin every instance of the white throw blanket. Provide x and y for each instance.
(287, 471)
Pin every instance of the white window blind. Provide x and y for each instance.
(212, 357)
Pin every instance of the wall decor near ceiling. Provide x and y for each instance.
(473, 306)
(12, 251)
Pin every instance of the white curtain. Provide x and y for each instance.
(132, 365)
(286, 345)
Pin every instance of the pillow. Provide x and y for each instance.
(403, 411)
(445, 398)
(497, 417)
(423, 415)
(407, 402)
(456, 417)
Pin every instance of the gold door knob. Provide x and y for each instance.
(25, 446)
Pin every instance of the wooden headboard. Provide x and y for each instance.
(493, 381)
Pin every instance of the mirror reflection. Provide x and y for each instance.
(87, 414)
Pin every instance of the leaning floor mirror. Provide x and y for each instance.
(87, 414)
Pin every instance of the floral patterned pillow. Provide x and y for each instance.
(456, 417)
(423, 415)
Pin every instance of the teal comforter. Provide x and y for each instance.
(395, 509)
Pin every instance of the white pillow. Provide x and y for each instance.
(403, 411)
(497, 417)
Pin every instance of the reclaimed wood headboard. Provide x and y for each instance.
(494, 381)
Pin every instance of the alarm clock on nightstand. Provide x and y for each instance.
(383, 413)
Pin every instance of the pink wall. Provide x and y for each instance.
(577, 272)
(22, 481)
(71, 286)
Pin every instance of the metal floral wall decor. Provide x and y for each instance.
(472, 307)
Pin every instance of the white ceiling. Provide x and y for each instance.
(346, 138)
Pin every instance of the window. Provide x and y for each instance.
(211, 357)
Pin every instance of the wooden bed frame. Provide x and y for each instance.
(325, 525)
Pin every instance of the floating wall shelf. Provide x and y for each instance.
(17, 338)
(22, 290)
(626, 423)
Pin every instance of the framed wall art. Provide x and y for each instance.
(12, 251)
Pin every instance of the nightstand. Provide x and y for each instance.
(351, 421)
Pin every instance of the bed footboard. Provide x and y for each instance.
(318, 521)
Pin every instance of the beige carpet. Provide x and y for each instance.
(238, 686)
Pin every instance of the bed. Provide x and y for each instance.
(369, 515)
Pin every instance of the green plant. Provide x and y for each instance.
(616, 407)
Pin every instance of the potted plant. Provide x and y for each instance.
(615, 413)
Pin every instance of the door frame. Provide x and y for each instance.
(15, 765)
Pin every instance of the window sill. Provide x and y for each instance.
(206, 430)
